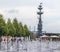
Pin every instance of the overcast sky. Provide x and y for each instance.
(26, 12)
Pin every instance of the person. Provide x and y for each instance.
(0, 39)
(13, 39)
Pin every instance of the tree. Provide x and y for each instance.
(21, 29)
(16, 26)
(27, 32)
(5, 30)
(2, 25)
(10, 28)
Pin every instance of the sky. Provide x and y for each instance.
(26, 12)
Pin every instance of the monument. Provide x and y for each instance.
(39, 33)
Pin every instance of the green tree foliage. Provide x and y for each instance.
(5, 30)
(10, 28)
(27, 32)
(2, 25)
(16, 26)
(21, 29)
(13, 28)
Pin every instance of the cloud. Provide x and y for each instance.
(24, 11)
(51, 12)
(25, 14)
(52, 27)
(13, 11)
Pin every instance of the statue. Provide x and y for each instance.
(39, 33)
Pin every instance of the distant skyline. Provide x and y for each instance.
(26, 12)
